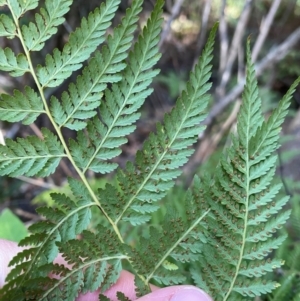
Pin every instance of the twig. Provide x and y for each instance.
(203, 153)
(26, 214)
(223, 37)
(275, 55)
(264, 29)
(36, 130)
(174, 13)
(1, 138)
(203, 29)
(37, 182)
(236, 41)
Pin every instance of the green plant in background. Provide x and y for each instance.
(11, 227)
(227, 224)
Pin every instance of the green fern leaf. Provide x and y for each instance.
(180, 239)
(15, 65)
(31, 156)
(262, 248)
(21, 107)
(63, 223)
(19, 7)
(27, 5)
(118, 112)
(80, 102)
(240, 227)
(255, 288)
(7, 27)
(121, 297)
(47, 20)
(81, 44)
(158, 163)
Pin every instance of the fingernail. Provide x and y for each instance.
(190, 294)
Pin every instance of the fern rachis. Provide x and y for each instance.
(227, 228)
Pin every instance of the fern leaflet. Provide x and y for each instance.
(7, 27)
(240, 226)
(15, 65)
(81, 44)
(21, 107)
(118, 112)
(31, 156)
(47, 20)
(80, 102)
(19, 7)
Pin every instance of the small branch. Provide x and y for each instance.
(236, 41)
(174, 13)
(203, 29)
(37, 182)
(264, 29)
(205, 151)
(275, 55)
(223, 38)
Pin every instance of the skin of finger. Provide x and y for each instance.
(8, 250)
(165, 294)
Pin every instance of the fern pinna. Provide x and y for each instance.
(245, 216)
(226, 230)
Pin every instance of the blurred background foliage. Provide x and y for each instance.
(274, 29)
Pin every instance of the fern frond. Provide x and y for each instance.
(47, 20)
(240, 227)
(15, 65)
(21, 107)
(80, 102)
(19, 7)
(31, 156)
(63, 223)
(82, 43)
(163, 153)
(7, 27)
(118, 112)
(180, 239)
